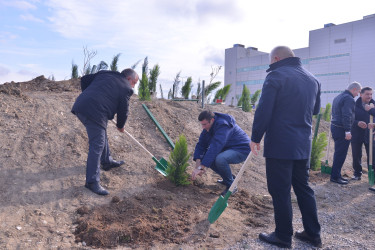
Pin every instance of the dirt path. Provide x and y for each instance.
(43, 204)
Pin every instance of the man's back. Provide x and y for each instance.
(290, 96)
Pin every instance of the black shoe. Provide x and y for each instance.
(96, 188)
(316, 242)
(371, 189)
(113, 164)
(339, 181)
(356, 178)
(222, 182)
(344, 179)
(273, 240)
(226, 190)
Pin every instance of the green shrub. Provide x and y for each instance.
(318, 145)
(143, 91)
(327, 113)
(245, 99)
(178, 162)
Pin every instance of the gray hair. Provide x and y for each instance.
(282, 52)
(129, 72)
(354, 85)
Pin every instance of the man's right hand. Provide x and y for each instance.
(122, 130)
(362, 124)
(348, 136)
(255, 147)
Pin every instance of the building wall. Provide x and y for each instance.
(337, 55)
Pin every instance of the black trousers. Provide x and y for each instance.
(357, 156)
(281, 175)
(341, 150)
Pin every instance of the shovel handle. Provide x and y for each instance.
(239, 175)
(139, 144)
(371, 141)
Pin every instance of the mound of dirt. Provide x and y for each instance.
(44, 205)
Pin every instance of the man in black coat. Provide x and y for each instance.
(105, 94)
(360, 133)
(290, 97)
(341, 124)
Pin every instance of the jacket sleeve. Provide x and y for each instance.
(263, 113)
(217, 144)
(123, 110)
(317, 102)
(346, 112)
(201, 147)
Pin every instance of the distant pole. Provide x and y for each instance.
(202, 94)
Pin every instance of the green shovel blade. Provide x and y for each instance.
(219, 207)
(161, 165)
(371, 175)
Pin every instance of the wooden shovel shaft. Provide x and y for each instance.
(329, 140)
(135, 140)
(239, 175)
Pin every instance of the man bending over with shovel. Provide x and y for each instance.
(105, 94)
(222, 142)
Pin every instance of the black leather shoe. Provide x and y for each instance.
(356, 178)
(113, 164)
(339, 181)
(96, 188)
(273, 240)
(316, 242)
(221, 180)
(344, 179)
(371, 189)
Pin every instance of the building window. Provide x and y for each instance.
(342, 40)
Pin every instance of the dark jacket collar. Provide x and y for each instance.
(290, 61)
(348, 92)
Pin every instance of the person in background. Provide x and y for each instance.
(290, 97)
(104, 94)
(222, 142)
(360, 132)
(341, 124)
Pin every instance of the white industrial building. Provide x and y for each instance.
(337, 55)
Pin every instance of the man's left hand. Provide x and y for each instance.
(122, 130)
(197, 172)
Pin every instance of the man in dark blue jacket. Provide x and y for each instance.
(290, 97)
(105, 94)
(222, 142)
(360, 133)
(341, 124)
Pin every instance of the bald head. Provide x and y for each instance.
(280, 53)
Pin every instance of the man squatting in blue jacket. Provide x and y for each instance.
(104, 94)
(290, 97)
(222, 142)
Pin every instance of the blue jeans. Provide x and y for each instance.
(98, 148)
(341, 150)
(222, 161)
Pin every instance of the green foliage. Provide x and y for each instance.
(115, 62)
(93, 69)
(161, 92)
(143, 92)
(222, 93)
(74, 71)
(245, 99)
(135, 64)
(154, 74)
(102, 66)
(199, 90)
(211, 87)
(255, 97)
(186, 89)
(175, 85)
(88, 69)
(170, 94)
(178, 162)
(327, 113)
(145, 66)
(318, 145)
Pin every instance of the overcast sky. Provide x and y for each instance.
(43, 37)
